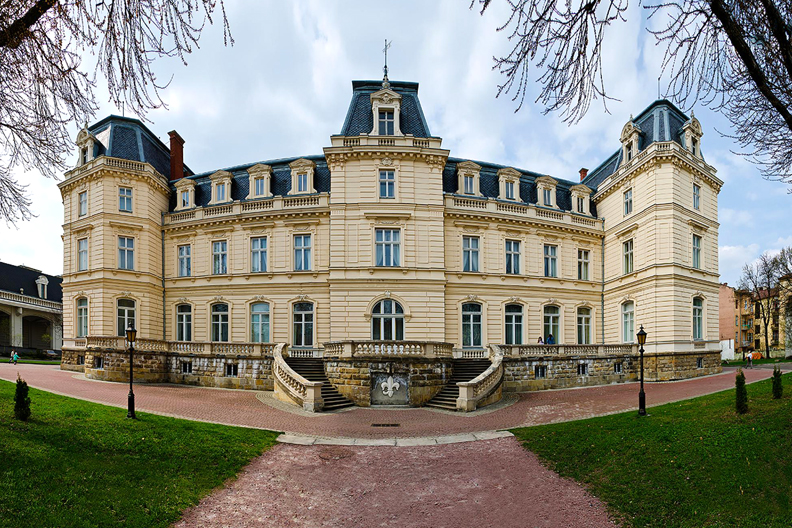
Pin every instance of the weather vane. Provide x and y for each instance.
(385, 83)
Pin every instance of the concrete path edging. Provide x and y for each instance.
(289, 438)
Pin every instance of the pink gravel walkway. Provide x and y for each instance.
(475, 484)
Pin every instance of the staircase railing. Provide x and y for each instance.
(472, 392)
(306, 393)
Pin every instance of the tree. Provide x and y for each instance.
(734, 57)
(741, 393)
(760, 278)
(45, 87)
(21, 400)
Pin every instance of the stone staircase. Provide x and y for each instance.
(313, 370)
(464, 370)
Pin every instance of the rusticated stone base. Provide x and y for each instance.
(73, 360)
(681, 365)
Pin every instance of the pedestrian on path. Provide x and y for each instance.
(750, 360)
(11, 357)
(15, 357)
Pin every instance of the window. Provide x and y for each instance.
(83, 156)
(514, 324)
(469, 180)
(628, 205)
(82, 254)
(98, 362)
(736, 321)
(260, 323)
(699, 363)
(584, 326)
(627, 250)
(83, 203)
(220, 322)
(81, 360)
(258, 186)
(220, 257)
(258, 254)
(509, 186)
(540, 371)
(185, 198)
(387, 247)
(125, 199)
(617, 368)
(583, 264)
(551, 316)
(471, 325)
(41, 285)
(231, 370)
(698, 318)
(581, 204)
(126, 315)
(185, 266)
(387, 321)
(547, 197)
(693, 146)
(220, 192)
(186, 367)
(387, 184)
(303, 320)
(470, 253)
(82, 317)
(183, 322)
(386, 122)
(550, 265)
(628, 322)
(513, 257)
(697, 251)
(126, 253)
(302, 182)
(302, 252)
(582, 369)
(696, 196)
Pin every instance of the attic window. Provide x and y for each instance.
(41, 284)
(185, 198)
(221, 192)
(581, 205)
(469, 184)
(509, 186)
(386, 122)
(84, 155)
(303, 172)
(302, 182)
(548, 197)
(258, 186)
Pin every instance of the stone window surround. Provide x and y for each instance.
(217, 300)
(625, 300)
(80, 192)
(522, 303)
(393, 226)
(85, 145)
(265, 235)
(509, 175)
(212, 241)
(127, 296)
(185, 184)
(259, 171)
(42, 282)
(581, 191)
(629, 139)
(696, 228)
(175, 315)
(180, 244)
(249, 313)
(219, 178)
(386, 99)
(387, 164)
(480, 250)
(484, 318)
(80, 296)
(692, 133)
(302, 166)
(561, 315)
(546, 183)
(592, 320)
(291, 303)
(134, 250)
(468, 168)
(693, 296)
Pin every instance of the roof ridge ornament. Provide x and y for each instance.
(385, 82)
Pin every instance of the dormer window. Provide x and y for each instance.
(546, 189)
(220, 191)
(83, 155)
(221, 187)
(580, 204)
(42, 283)
(509, 188)
(692, 136)
(302, 171)
(386, 122)
(258, 186)
(468, 178)
(259, 183)
(85, 144)
(385, 108)
(509, 184)
(630, 136)
(185, 199)
(185, 189)
(580, 198)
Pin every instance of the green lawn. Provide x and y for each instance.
(756, 362)
(79, 464)
(40, 361)
(689, 464)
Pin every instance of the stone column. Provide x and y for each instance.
(16, 327)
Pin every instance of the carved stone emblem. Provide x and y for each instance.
(218, 298)
(388, 387)
(387, 162)
(472, 297)
(302, 297)
(183, 299)
(387, 294)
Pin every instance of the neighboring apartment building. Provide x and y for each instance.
(31, 311)
(387, 246)
(728, 321)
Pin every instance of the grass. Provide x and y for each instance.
(38, 361)
(80, 464)
(694, 463)
(755, 362)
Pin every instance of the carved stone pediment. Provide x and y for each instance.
(629, 130)
(509, 174)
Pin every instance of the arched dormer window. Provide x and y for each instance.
(260, 178)
(509, 184)
(302, 176)
(386, 109)
(546, 191)
(692, 136)
(581, 199)
(41, 284)
(185, 194)
(85, 144)
(630, 136)
(221, 187)
(468, 178)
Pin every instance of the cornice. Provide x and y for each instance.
(475, 216)
(228, 220)
(337, 156)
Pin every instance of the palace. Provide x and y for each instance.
(384, 270)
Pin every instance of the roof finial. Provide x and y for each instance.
(385, 83)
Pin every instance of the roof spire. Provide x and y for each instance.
(385, 82)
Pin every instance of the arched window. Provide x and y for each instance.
(471, 325)
(628, 322)
(698, 318)
(82, 317)
(584, 326)
(220, 322)
(183, 322)
(260, 323)
(126, 315)
(514, 324)
(551, 316)
(387, 321)
(303, 322)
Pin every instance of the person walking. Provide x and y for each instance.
(16, 357)
(750, 360)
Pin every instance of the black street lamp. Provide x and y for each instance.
(131, 334)
(641, 395)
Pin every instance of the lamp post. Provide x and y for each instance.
(131, 334)
(641, 395)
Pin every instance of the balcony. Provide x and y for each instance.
(276, 203)
(532, 211)
(27, 301)
(365, 140)
(389, 349)
(185, 348)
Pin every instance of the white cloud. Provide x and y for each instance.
(731, 216)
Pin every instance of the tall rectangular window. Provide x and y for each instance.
(302, 182)
(628, 205)
(696, 251)
(509, 190)
(581, 205)
(387, 184)
(627, 250)
(696, 196)
(469, 184)
(470, 253)
(126, 253)
(258, 254)
(185, 264)
(221, 192)
(513, 257)
(83, 203)
(698, 318)
(628, 322)
(258, 186)
(82, 317)
(184, 322)
(583, 264)
(126, 315)
(550, 263)
(547, 197)
(82, 254)
(260, 323)
(303, 324)
(387, 242)
(302, 252)
(220, 322)
(386, 123)
(125, 199)
(584, 326)
(219, 257)
(185, 198)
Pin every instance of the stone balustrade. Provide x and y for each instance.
(492, 205)
(471, 353)
(274, 203)
(119, 343)
(364, 140)
(389, 349)
(19, 299)
(289, 385)
(484, 387)
(568, 350)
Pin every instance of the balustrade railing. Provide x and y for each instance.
(119, 343)
(389, 141)
(305, 352)
(307, 394)
(370, 348)
(30, 300)
(275, 203)
(470, 353)
(568, 350)
(473, 392)
(525, 210)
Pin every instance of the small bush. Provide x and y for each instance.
(21, 400)
(778, 387)
(742, 393)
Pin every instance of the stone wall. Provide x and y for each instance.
(677, 366)
(209, 371)
(70, 360)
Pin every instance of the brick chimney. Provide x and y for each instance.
(176, 156)
(583, 172)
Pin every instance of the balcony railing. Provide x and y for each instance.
(424, 349)
(30, 300)
(567, 350)
(385, 141)
(118, 343)
(491, 205)
(276, 203)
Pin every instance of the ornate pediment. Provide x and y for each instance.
(221, 175)
(629, 130)
(509, 174)
(547, 181)
(386, 96)
(468, 166)
(260, 169)
(581, 189)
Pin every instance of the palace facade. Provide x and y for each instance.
(385, 260)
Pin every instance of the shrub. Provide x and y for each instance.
(21, 400)
(742, 393)
(778, 387)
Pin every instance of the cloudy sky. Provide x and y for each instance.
(284, 88)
